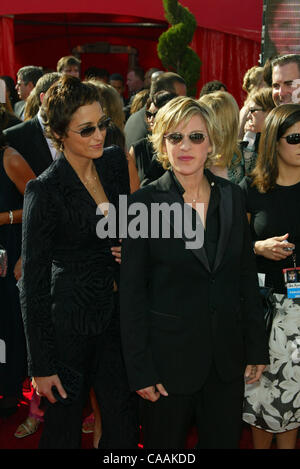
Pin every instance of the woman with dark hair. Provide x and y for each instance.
(272, 406)
(14, 174)
(11, 90)
(69, 284)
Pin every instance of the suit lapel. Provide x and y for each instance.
(225, 211)
(170, 191)
(41, 144)
(72, 186)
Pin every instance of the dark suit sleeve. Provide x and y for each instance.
(39, 223)
(135, 268)
(253, 322)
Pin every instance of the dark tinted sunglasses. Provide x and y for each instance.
(88, 131)
(150, 114)
(177, 137)
(292, 139)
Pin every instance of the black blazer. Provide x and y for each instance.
(177, 314)
(68, 272)
(19, 108)
(28, 138)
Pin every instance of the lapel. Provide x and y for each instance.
(41, 146)
(72, 188)
(225, 214)
(168, 189)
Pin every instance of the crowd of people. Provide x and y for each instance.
(160, 326)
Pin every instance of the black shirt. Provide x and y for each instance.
(274, 213)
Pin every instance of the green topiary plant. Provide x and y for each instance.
(173, 49)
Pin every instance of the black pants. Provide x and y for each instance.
(216, 409)
(100, 360)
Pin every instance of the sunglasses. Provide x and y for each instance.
(177, 137)
(292, 139)
(254, 110)
(88, 131)
(149, 114)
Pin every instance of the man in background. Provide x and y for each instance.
(136, 127)
(28, 137)
(27, 78)
(69, 65)
(286, 79)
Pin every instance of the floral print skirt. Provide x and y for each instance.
(273, 404)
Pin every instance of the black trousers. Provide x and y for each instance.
(100, 360)
(216, 409)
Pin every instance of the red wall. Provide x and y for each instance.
(225, 57)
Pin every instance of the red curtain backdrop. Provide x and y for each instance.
(225, 57)
(7, 46)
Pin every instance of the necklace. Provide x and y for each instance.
(91, 182)
(197, 198)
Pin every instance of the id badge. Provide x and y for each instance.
(292, 281)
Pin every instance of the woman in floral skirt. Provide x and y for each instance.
(272, 405)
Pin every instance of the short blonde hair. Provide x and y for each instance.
(226, 111)
(172, 114)
(253, 78)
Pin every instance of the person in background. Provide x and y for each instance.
(7, 116)
(69, 65)
(14, 175)
(136, 127)
(27, 78)
(97, 73)
(110, 102)
(148, 76)
(259, 104)
(253, 80)
(11, 91)
(286, 79)
(142, 152)
(139, 100)
(211, 87)
(28, 138)
(117, 81)
(191, 317)
(272, 194)
(135, 80)
(229, 162)
(33, 101)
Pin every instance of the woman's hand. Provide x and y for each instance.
(152, 393)
(18, 269)
(253, 373)
(274, 248)
(43, 386)
(116, 252)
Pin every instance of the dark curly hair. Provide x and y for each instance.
(60, 103)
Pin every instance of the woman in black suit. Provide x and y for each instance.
(69, 282)
(191, 316)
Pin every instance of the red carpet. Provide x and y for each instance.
(9, 425)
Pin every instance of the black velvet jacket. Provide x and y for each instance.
(68, 272)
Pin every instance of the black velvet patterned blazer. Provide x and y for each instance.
(68, 272)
